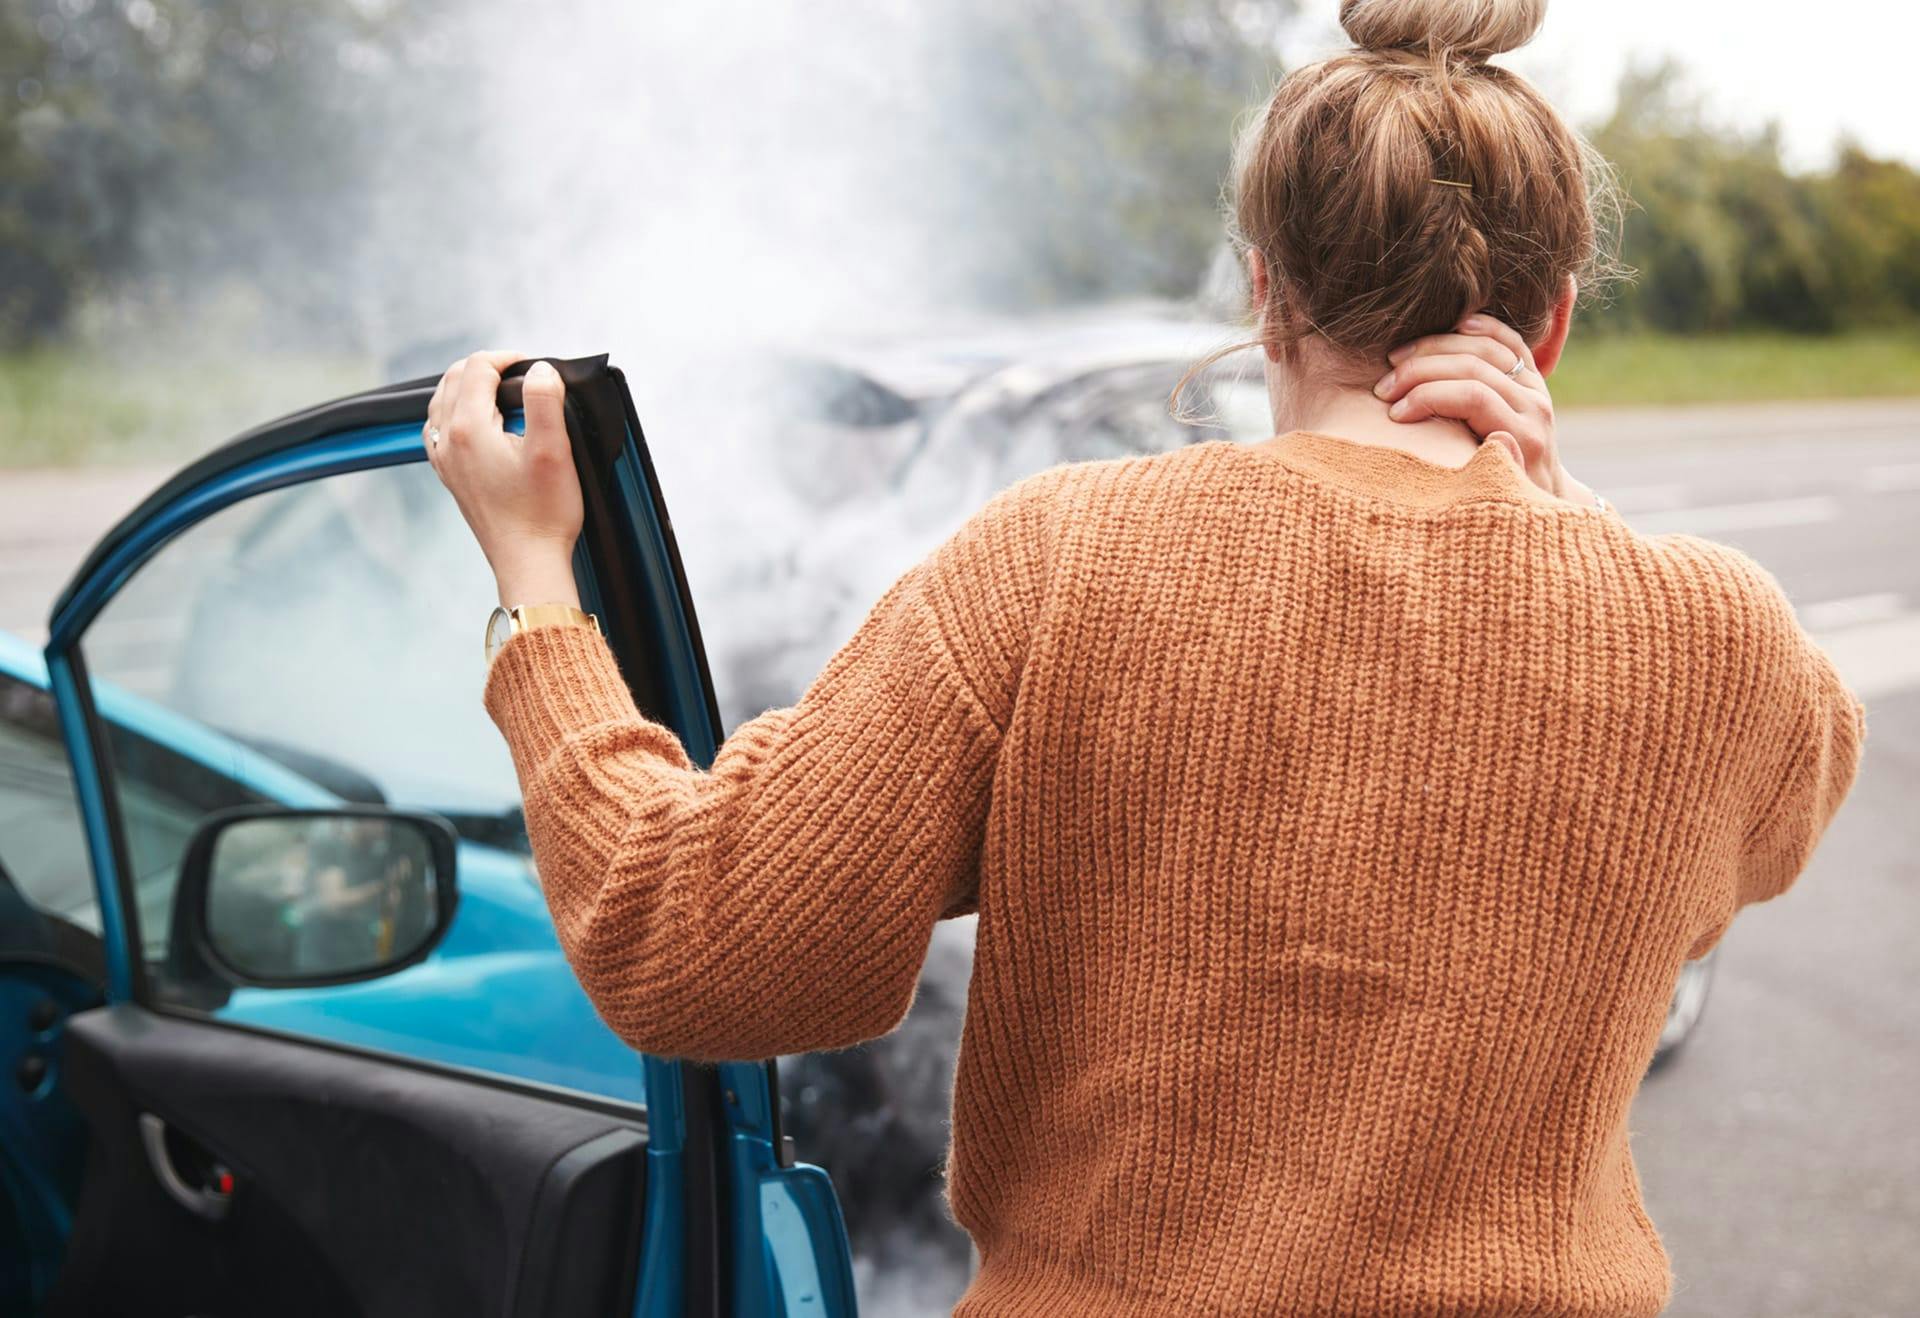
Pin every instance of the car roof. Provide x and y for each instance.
(943, 362)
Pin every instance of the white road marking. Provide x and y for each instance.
(1829, 615)
(1876, 658)
(1714, 518)
(1891, 477)
(1671, 496)
(1646, 498)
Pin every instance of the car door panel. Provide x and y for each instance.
(342, 440)
(360, 1186)
(370, 1182)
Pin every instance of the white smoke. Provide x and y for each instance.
(695, 187)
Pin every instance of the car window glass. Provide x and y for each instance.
(43, 847)
(322, 645)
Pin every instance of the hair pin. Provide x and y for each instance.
(1449, 183)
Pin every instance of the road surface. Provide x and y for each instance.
(1781, 1151)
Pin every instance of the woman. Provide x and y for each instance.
(1338, 809)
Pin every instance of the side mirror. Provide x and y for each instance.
(278, 898)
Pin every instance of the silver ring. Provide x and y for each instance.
(1519, 365)
(433, 436)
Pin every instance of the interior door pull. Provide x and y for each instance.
(211, 1200)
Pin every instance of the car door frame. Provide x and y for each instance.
(733, 1224)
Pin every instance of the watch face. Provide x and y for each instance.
(499, 628)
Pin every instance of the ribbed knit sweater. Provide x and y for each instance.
(1337, 824)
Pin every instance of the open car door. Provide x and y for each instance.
(342, 1067)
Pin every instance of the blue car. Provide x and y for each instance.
(286, 1022)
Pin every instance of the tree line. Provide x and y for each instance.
(1722, 236)
(150, 148)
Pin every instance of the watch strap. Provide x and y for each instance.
(504, 624)
(528, 616)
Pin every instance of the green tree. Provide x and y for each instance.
(1725, 237)
(182, 135)
(1872, 210)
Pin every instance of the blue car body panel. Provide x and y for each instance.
(500, 951)
(788, 1252)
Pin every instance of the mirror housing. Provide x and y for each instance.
(276, 898)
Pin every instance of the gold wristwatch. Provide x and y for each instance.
(507, 623)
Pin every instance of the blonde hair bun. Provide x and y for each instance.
(1477, 28)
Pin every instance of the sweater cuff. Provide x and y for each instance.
(549, 682)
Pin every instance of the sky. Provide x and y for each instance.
(1818, 70)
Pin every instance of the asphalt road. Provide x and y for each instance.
(1780, 1151)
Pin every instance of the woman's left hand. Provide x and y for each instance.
(1483, 375)
(519, 493)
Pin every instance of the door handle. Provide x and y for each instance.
(210, 1201)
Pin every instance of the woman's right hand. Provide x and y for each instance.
(1483, 375)
(519, 493)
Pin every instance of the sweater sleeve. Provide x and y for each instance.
(1798, 730)
(1819, 757)
(783, 900)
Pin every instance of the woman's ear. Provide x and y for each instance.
(1257, 277)
(1546, 353)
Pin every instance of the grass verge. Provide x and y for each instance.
(69, 406)
(1654, 369)
(65, 406)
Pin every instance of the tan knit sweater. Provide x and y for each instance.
(1337, 824)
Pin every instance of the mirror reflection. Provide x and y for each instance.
(305, 897)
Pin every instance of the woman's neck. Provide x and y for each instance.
(1358, 416)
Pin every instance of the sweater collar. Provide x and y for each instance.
(1400, 477)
